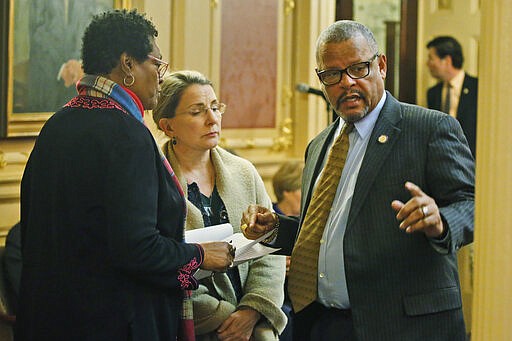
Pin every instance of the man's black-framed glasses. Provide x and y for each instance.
(161, 65)
(354, 71)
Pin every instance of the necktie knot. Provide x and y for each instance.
(347, 128)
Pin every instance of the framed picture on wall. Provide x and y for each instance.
(40, 60)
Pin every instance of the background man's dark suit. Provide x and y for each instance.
(466, 111)
(400, 287)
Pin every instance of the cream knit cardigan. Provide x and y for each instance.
(239, 185)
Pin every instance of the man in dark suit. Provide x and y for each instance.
(386, 266)
(445, 60)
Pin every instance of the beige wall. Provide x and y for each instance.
(493, 215)
(159, 12)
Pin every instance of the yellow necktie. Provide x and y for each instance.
(302, 277)
(447, 99)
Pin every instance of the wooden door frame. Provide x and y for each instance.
(408, 44)
(408, 51)
(4, 55)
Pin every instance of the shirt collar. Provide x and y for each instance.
(457, 80)
(365, 125)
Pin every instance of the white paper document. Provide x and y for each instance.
(246, 249)
(209, 234)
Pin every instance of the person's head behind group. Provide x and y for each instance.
(189, 112)
(350, 68)
(444, 57)
(287, 182)
(120, 45)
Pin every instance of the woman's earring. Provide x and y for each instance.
(173, 140)
(126, 83)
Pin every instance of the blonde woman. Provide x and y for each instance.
(245, 302)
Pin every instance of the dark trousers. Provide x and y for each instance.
(287, 334)
(318, 323)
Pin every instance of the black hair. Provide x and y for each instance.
(448, 46)
(111, 33)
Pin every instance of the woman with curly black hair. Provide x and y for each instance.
(102, 213)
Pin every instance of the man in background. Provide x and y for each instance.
(286, 183)
(457, 92)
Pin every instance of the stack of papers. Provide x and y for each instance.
(246, 249)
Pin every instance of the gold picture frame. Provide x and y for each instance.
(40, 45)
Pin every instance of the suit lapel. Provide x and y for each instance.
(465, 92)
(376, 152)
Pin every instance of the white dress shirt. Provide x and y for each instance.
(332, 285)
(456, 89)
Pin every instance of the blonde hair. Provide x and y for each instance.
(172, 90)
(288, 178)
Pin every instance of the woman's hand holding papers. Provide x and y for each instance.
(218, 256)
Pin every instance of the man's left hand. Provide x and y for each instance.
(420, 213)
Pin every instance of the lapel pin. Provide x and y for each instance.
(383, 139)
(465, 91)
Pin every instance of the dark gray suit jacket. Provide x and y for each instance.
(400, 287)
(467, 109)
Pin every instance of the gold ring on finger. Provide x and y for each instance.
(424, 210)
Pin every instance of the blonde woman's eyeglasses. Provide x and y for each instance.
(202, 110)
